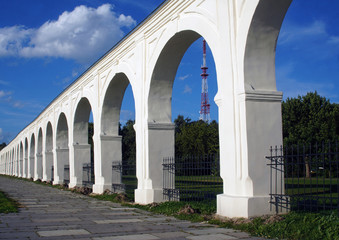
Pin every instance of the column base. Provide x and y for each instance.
(147, 196)
(246, 207)
(74, 183)
(58, 182)
(100, 188)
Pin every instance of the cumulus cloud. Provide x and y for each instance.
(81, 34)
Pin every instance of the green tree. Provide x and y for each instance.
(309, 119)
(2, 145)
(195, 138)
(128, 142)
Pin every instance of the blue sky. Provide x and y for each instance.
(39, 57)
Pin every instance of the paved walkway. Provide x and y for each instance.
(50, 213)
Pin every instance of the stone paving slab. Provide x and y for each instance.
(52, 214)
(55, 233)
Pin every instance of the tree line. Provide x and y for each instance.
(306, 119)
(310, 119)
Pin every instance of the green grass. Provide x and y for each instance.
(323, 190)
(7, 205)
(310, 226)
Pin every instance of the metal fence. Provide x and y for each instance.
(124, 177)
(304, 177)
(87, 175)
(66, 174)
(191, 178)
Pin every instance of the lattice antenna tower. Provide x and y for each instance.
(205, 104)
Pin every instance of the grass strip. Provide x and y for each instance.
(293, 226)
(7, 205)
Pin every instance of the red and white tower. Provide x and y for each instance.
(205, 104)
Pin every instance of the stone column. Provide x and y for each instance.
(48, 166)
(20, 167)
(160, 145)
(82, 154)
(31, 167)
(24, 169)
(246, 178)
(62, 160)
(38, 167)
(110, 152)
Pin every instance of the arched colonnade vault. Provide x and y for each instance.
(242, 36)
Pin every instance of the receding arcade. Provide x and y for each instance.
(242, 36)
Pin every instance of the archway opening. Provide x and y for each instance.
(31, 157)
(25, 168)
(12, 161)
(49, 153)
(62, 151)
(39, 164)
(190, 146)
(83, 145)
(21, 160)
(128, 144)
(116, 133)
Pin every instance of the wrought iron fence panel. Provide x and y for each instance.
(124, 177)
(87, 175)
(66, 174)
(304, 177)
(191, 178)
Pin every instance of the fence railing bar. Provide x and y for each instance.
(309, 177)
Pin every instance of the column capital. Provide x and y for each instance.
(261, 96)
(110, 137)
(161, 126)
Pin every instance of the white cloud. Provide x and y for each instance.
(4, 94)
(18, 104)
(182, 78)
(4, 83)
(312, 41)
(126, 115)
(292, 32)
(82, 34)
(334, 40)
(187, 89)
